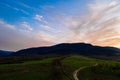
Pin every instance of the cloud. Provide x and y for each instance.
(45, 36)
(24, 5)
(23, 11)
(113, 3)
(13, 39)
(27, 26)
(47, 28)
(100, 22)
(100, 25)
(3, 24)
(15, 8)
(7, 5)
(38, 17)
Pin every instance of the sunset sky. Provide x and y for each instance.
(33, 23)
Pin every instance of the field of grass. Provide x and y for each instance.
(30, 70)
(105, 69)
(56, 69)
(110, 71)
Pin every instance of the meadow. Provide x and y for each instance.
(61, 68)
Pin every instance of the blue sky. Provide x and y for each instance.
(33, 23)
(16, 10)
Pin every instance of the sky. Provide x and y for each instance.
(35, 23)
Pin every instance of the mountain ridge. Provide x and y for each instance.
(5, 53)
(70, 48)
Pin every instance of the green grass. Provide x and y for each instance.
(80, 61)
(29, 70)
(110, 71)
(74, 62)
(48, 60)
(44, 69)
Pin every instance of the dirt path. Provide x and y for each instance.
(75, 73)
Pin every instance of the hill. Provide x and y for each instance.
(71, 48)
(64, 49)
(5, 53)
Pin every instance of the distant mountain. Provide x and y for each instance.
(71, 48)
(5, 53)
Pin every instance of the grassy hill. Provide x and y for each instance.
(61, 68)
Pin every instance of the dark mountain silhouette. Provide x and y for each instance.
(71, 48)
(5, 53)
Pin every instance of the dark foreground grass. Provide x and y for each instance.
(110, 71)
(48, 69)
(105, 69)
(30, 70)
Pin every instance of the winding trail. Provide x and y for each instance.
(75, 73)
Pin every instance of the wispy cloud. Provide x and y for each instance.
(45, 36)
(38, 17)
(100, 22)
(3, 24)
(100, 25)
(7, 5)
(13, 39)
(15, 8)
(25, 5)
(27, 26)
(48, 28)
(23, 11)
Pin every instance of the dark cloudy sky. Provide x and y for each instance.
(33, 23)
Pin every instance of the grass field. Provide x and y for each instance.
(56, 69)
(105, 69)
(30, 70)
